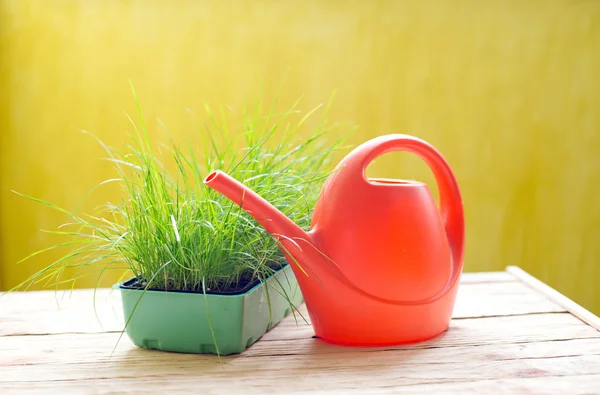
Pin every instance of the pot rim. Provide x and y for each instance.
(121, 287)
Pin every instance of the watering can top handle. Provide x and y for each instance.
(451, 206)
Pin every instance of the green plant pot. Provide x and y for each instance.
(178, 321)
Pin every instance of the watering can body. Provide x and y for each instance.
(381, 263)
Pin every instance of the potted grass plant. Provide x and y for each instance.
(204, 277)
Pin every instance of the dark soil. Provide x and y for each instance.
(247, 282)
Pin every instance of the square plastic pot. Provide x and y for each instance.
(179, 321)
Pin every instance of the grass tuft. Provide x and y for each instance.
(174, 233)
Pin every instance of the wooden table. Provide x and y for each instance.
(510, 334)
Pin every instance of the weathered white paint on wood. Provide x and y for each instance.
(506, 337)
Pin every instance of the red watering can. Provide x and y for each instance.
(381, 264)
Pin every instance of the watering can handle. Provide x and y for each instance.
(451, 206)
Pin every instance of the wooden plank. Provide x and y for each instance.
(38, 312)
(281, 341)
(466, 332)
(479, 300)
(500, 299)
(555, 296)
(469, 329)
(486, 277)
(358, 369)
(571, 385)
(47, 312)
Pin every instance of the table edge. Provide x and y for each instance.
(572, 307)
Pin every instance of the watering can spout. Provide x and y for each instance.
(291, 238)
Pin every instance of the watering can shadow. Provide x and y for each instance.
(381, 263)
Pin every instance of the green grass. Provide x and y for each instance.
(175, 233)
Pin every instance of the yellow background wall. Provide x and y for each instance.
(509, 91)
